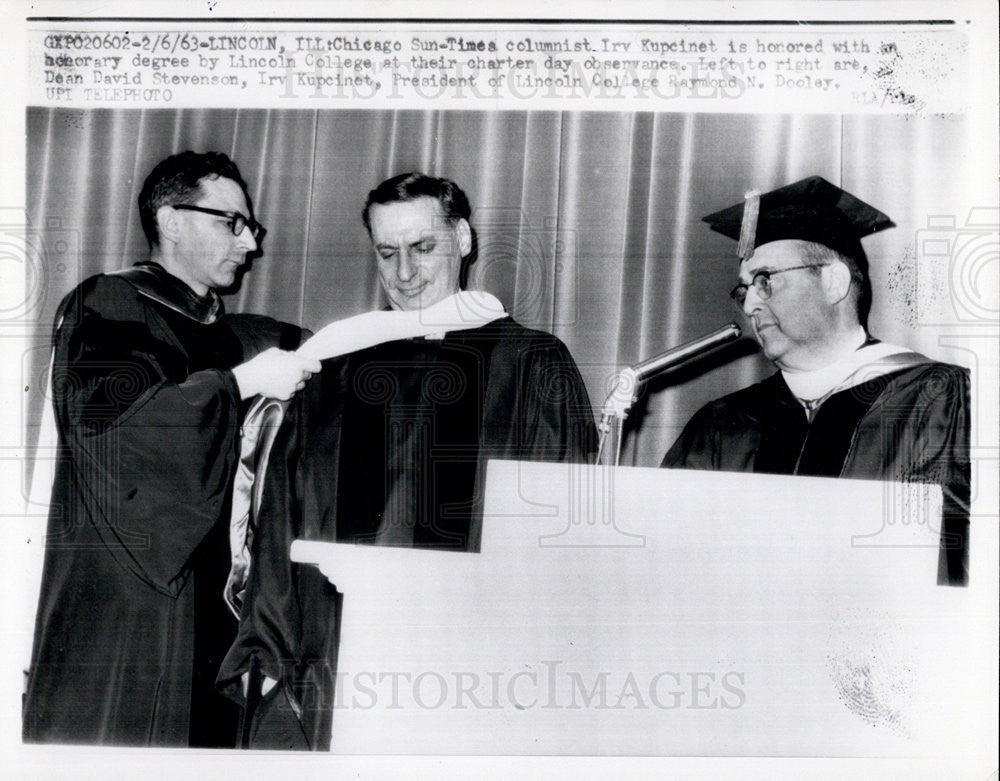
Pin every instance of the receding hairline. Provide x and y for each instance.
(442, 215)
(215, 177)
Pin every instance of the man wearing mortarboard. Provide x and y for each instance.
(842, 404)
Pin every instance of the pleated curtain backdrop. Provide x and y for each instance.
(588, 223)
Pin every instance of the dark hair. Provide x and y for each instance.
(177, 179)
(858, 266)
(409, 187)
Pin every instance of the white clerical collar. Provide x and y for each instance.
(858, 363)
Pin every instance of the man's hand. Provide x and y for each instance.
(274, 373)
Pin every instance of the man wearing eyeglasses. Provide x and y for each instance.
(149, 377)
(842, 404)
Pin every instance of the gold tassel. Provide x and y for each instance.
(748, 230)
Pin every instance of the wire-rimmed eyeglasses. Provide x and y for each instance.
(236, 221)
(761, 282)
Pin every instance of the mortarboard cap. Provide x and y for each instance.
(810, 210)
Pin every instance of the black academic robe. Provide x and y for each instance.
(388, 446)
(131, 626)
(911, 425)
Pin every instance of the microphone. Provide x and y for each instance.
(685, 352)
(627, 383)
(628, 380)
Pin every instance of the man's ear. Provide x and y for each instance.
(464, 231)
(838, 281)
(167, 224)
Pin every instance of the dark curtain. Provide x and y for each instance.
(588, 223)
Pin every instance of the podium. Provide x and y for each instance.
(626, 611)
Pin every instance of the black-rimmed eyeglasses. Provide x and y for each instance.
(236, 221)
(761, 282)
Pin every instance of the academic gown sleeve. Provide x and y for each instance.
(695, 447)
(558, 424)
(719, 436)
(289, 623)
(919, 432)
(536, 404)
(536, 407)
(951, 467)
(121, 392)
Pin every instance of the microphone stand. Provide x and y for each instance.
(629, 379)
